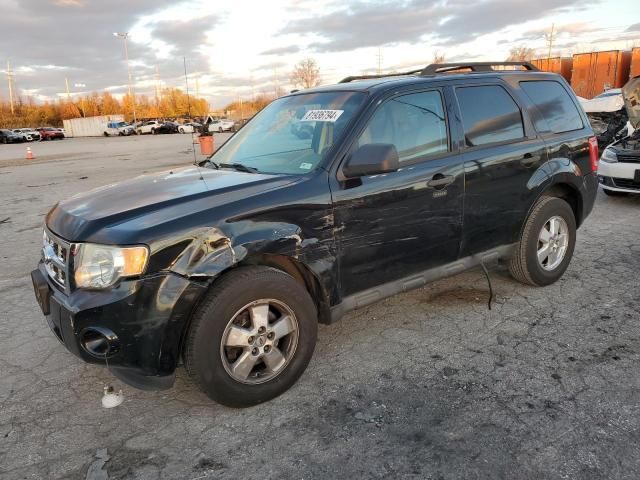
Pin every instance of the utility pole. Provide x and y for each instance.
(157, 78)
(550, 39)
(132, 91)
(66, 82)
(197, 87)
(10, 82)
(379, 58)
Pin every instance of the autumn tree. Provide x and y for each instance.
(306, 74)
(520, 54)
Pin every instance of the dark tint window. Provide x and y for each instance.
(489, 115)
(414, 123)
(554, 103)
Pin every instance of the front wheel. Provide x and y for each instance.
(252, 337)
(181, 130)
(547, 243)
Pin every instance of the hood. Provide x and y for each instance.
(631, 95)
(124, 212)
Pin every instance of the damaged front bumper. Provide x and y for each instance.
(135, 328)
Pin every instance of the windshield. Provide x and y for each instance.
(292, 134)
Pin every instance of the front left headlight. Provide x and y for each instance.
(609, 156)
(101, 266)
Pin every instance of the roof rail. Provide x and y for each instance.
(369, 77)
(436, 68)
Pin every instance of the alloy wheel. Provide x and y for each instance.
(259, 341)
(553, 242)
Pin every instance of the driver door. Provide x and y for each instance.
(393, 225)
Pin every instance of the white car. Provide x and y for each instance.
(118, 129)
(148, 127)
(189, 127)
(222, 125)
(619, 166)
(29, 134)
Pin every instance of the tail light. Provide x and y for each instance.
(593, 153)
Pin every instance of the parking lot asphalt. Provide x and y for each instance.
(428, 384)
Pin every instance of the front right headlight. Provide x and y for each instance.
(101, 266)
(609, 156)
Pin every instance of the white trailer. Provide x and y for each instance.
(89, 126)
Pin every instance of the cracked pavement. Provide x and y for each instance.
(428, 384)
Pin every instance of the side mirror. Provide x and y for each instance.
(372, 159)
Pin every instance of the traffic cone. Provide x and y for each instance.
(29, 154)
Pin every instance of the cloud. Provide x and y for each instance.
(282, 50)
(634, 28)
(184, 36)
(365, 24)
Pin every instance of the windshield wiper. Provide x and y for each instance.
(210, 162)
(239, 167)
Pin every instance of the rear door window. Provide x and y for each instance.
(559, 113)
(489, 115)
(414, 123)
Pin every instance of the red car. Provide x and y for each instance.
(50, 133)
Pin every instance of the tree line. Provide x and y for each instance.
(170, 103)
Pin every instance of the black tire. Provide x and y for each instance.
(202, 354)
(153, 131)
(524, 265)
(614, 193)
(106, 134)
(220, 130)
(181, 130)
(4, 140)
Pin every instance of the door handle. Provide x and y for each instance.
(440, 181)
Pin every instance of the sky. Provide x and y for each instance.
(239, 49)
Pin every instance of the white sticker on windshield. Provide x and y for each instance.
(306, 166)
(322, 115)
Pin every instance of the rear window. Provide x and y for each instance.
(489, 115)
(559, 113)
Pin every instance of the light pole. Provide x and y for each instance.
(132, 90)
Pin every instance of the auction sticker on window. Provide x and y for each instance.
(322, 116)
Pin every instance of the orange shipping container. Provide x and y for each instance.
(635, 62)
(559, 65)
(595, 72)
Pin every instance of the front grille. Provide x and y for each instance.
(629, 158)
(55, 255)
(626, 183)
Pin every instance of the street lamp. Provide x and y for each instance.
(132, 91)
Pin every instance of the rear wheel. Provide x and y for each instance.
(153, 131)
(547, 243)
(252, 337)
(105, 134)
(220, 130)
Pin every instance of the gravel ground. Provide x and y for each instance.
(428, 384)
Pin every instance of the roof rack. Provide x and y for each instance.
(440, 68)
(369, 77)
(475, 67)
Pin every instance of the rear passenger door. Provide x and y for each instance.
(393, 225)
(501, 152)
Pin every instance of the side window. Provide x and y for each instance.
(555, 105)
(414, 123)
(489, 115)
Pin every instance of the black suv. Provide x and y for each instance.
(229, 265)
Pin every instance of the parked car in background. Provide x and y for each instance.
(228, 267)
(619, 167)
(148, 127)
(222, 125)
(167, 127)
(238, 124)
(50, 133)
(29, 134)
(9, 136)
(190, 127)
(118, 129)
